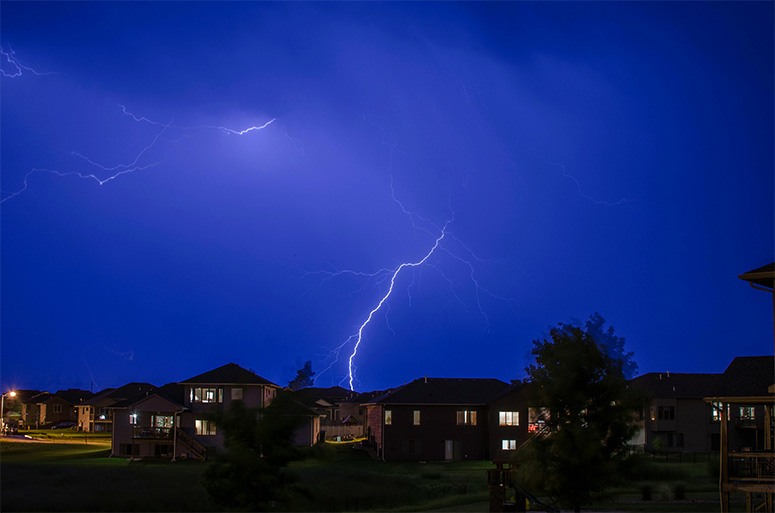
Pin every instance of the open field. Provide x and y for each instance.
(64, 475)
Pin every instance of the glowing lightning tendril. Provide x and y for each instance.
(359, 335)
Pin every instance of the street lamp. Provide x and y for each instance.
(2, 409)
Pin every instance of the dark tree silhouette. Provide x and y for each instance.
(251, 473)
(303, 378)
(580, 378)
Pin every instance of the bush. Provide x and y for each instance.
(680, 492)
(645, 492)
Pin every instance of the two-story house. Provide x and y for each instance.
(434, 419)
(46, 409)
(675, 417)
(213, 391)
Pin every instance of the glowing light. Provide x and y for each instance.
(359, 339)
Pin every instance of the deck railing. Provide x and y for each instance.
(151, 432)
(752, 466)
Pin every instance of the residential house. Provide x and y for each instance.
(434, 419)
(743, 402)
(676, 418)
(338, 416)
(46, 409)
(94, 414)
(213, 391)
(509, 424)
(148, 425)
(17, 412)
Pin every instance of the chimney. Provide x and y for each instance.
(426, 380)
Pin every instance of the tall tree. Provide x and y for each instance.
(580, 378)
(303, 377)
(251, 473)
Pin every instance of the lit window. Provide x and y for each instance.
(388, 417)
(206, 395)
(133, 419)
(416, 417)
(236, 394)
(204, 427)
(508, 418)
(715, 409)
(509, 445)
(747, 413)
(466, 417)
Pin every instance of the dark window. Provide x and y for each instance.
(679, 442)
(666, 413)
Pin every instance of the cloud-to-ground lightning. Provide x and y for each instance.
(359, 336)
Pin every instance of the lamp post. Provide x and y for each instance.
(2, 409)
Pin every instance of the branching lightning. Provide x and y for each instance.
(134, 165)
(11, 67)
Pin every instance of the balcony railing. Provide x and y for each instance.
(752, 466)
(151, 432)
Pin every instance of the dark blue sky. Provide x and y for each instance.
(584, 157)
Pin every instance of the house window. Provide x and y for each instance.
(466, 417)
(56, 408)
(388, 417)
(666, 412)
(236, 394)
(747, 413)
(715, 409)
(162, 421)
(416, 417)
(206, 395)
(508, 418)
(509, 445)
(133, 419)
(653, 413)
(204, 427)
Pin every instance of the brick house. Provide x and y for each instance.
(437, 419)
(676, 418)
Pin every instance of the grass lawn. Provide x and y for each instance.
(67, 475)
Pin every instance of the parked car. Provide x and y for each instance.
(64, 425)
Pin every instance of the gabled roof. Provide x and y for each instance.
(463, 391)
(171, 392)
(763, 276)
(229, 374)
(71, 395)
(675, 385)
(746, 376)
(25, 396)
(332, 395)
(114, 395)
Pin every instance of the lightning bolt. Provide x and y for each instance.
(359, 335)
(132, 166)
(15, 68)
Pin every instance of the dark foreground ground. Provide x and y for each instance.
(75, 474)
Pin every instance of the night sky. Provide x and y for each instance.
(539, 162)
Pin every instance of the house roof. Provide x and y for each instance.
(763, 276)
(332, 395)
(25, 396)
(171, 392)
(74, 395)
(114, 395)
(468, 391)
(229, 374)
(675, 385)
(746, 376)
